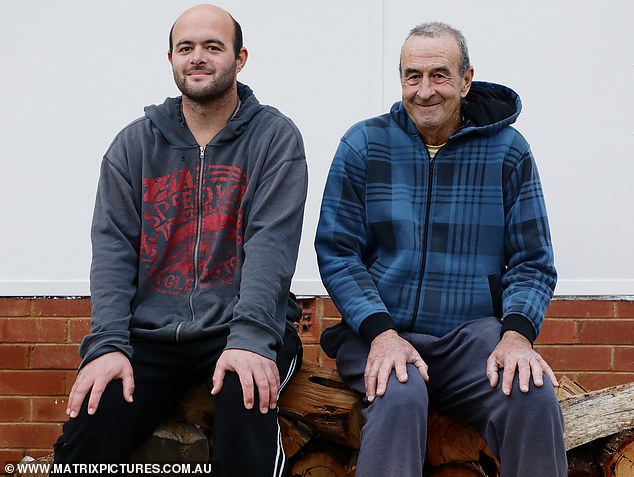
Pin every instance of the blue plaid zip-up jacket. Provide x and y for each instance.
(414, 244)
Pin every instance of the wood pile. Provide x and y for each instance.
(321, 422)
(599, 431)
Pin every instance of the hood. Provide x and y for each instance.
(169, 120)
(487, 108)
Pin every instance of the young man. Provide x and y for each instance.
(195, 237)
(434, 244)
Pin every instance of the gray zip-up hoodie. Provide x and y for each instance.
(190, 242)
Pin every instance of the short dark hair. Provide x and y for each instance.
(237, 37)
(436, 29)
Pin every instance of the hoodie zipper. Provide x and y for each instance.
(430, 183)
(199, 227)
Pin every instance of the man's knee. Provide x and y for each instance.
(112, 406)
(539, 401)
(102, 437)
(230, 399)
(409, 399)
(231, 389)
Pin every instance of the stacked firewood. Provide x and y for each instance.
(599, 430)
(321, 421)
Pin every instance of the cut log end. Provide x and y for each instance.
(319, 464)
(617, 458)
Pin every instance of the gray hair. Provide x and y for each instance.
(436, 29)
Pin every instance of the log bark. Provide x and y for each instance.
(319, 398)
(582, 461)
(174, 442)
(319, 464)
(35, 470)
(295, 435)
(452, 441)
(617, 458)
(597, 414)
(196, 407)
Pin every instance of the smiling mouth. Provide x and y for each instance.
(198, 73)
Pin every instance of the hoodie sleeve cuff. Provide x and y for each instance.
(98, 352)
(94, 345)
(519, 323)
(252, 338)
(374, 325)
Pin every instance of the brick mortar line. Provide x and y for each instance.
(590, 372)
(578, 345)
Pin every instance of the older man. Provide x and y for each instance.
(433, 242)
(195, 236)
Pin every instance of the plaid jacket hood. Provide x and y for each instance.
(425, 245)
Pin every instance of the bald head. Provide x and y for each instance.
(212, 14)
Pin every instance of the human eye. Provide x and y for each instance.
(214, 46)
(413, 79)
(439, 77)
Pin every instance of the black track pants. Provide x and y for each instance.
(246, 443)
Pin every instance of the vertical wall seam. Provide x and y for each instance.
(376, 47)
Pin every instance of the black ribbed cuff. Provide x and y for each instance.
(374, 325)
(519, 323)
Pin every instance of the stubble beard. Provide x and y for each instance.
(210, 92)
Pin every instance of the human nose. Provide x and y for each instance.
(198, 56)
(425, 89)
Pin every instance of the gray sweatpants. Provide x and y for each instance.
(524, 431)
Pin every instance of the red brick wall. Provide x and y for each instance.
(38, 356)
(590, 341)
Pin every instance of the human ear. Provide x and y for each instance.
(467, 80)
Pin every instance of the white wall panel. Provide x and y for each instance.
(76, 71)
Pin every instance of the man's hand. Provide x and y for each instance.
(95, 376)
(513, 352)
(389, 351)
(251, 368)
